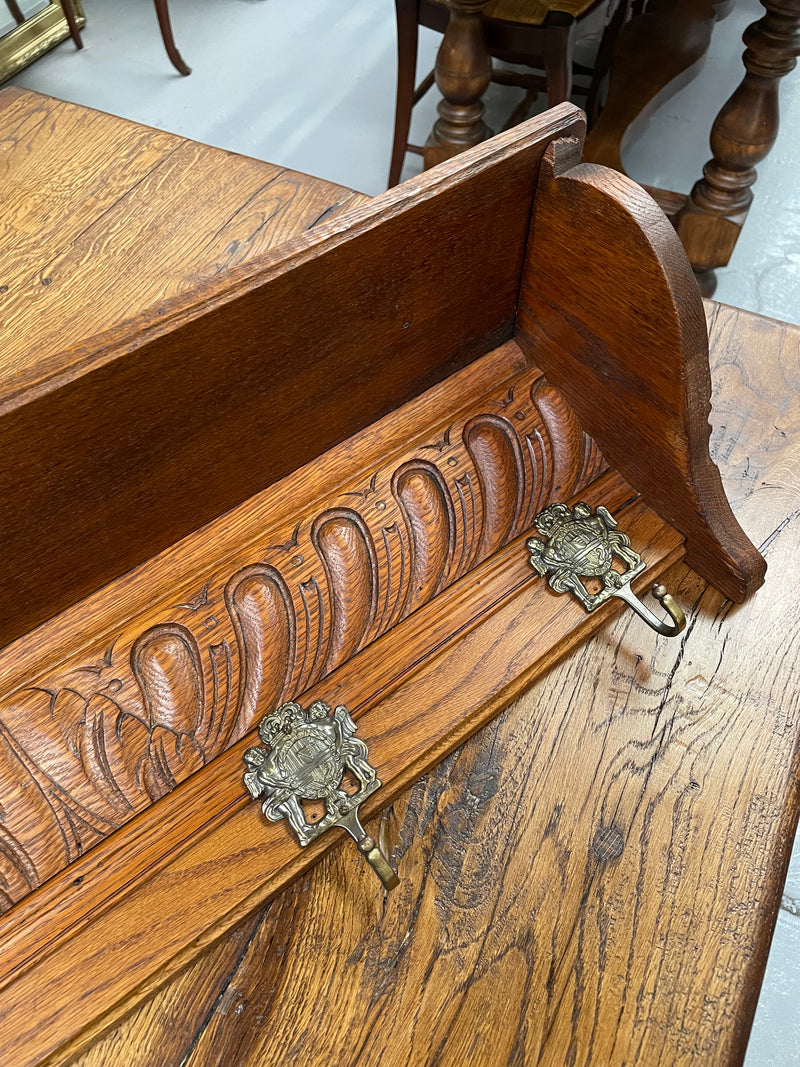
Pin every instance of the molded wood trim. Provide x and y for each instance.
(131, 692)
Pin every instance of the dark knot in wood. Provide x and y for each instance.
(607, 844)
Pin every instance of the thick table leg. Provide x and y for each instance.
(656, 54)
(463, 73)
(742, 135)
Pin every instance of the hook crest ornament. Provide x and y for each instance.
(307, 754)
(576, 543)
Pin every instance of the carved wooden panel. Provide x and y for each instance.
(97, 734)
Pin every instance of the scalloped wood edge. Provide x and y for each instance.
(610, 310)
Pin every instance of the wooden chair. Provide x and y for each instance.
(162, 12)
(71, 15)
(15, 11)
(532, 33)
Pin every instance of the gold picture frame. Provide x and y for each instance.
(42, 31)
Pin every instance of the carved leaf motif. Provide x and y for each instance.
(442, 444)
(100, 748)
(98, 668)
(365, 494)
(167, 665)
(507, 399)
(31, 838)
(470, 511)
(42, 826)
(497, 454)
(395, 580)
(344, 544)
(292, 542)
(87, 745)
(261, 608)
(427, 508)
(564, 434)
(313, 624)
(198, 602)
(50, 730)
(540, 457)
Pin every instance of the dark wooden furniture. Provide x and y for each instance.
(389, 570)
(664, 41)
(164, 24)
(656, 53)
(535, 33)
(15, 11)
(71, 15)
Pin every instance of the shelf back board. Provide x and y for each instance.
(116, 448)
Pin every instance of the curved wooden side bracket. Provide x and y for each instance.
(610, 311)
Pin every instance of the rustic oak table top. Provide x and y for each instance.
(123, 217)
(593, 878)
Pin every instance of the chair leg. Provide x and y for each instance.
(559, 41)
(72, 22)
(463, 74)
(169, 41)
(604, 58)
(406, 12)
(16, 12)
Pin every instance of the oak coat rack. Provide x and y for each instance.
(315, 479)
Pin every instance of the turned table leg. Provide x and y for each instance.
(742, 135)
(463, 73)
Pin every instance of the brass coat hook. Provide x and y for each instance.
(307, 754)
(670, 605)
(576, 543)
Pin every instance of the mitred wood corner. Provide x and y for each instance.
(610, 311)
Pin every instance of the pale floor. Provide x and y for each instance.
(310, 85)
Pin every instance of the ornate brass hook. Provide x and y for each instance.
(669, 604)
(575, 544)
(308, 752)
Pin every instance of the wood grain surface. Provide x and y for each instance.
(104, 219)
(114, 449)
(503, 944)
(202, 857)
(109, 706)
(594, 877)
(129, 916)
(611, 312)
